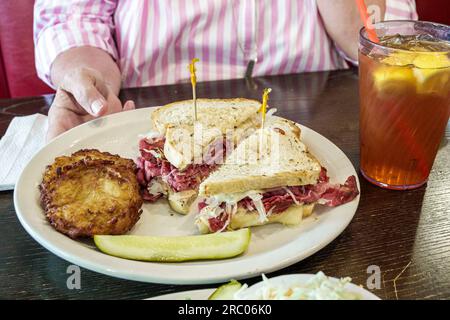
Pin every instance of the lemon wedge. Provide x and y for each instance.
(432, 71)
(390, 79)
(433, 81)
(395, 74)
(400, 59)
(426, 72)
(175, 249)
(429, 60)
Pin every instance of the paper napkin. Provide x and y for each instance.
(25, 136)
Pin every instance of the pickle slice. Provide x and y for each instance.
(226, 291)
(175, 249)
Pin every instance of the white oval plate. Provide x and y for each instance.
(203, 294)
(272, 247)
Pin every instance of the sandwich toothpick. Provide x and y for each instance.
(263, 108)
(192, 70)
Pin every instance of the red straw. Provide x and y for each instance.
(367, 23)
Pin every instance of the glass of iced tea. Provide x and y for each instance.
(404, 86)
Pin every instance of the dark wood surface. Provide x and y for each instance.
(391, 229)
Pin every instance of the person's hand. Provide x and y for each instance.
(82, 96)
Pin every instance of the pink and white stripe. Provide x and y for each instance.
(154, 40)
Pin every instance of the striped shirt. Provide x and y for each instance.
(153, 41)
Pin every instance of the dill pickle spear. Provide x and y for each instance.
(226, 291)
(175, 249)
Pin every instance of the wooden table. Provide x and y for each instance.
(397, 231)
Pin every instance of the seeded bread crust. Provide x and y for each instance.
(181, 145)
(283, 161)
(210, 113)
(249, 182)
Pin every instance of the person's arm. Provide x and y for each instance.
(76, 54)
(342, 22)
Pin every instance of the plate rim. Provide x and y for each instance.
(367, 295)
(103, 268)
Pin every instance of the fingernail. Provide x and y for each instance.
(96, 106)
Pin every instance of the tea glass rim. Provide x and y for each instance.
(364, 40)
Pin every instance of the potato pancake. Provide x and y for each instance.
(91, 192)
(64, 162)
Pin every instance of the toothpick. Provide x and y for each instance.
(192, 70)
(263, 108)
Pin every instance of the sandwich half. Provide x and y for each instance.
(270, 177)
(180, 153)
